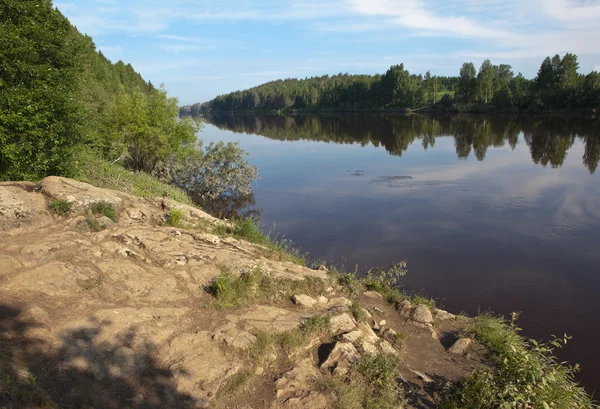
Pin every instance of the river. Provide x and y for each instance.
(491, 213)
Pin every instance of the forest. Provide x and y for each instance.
(557, 86)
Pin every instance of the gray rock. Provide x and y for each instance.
(387, 348)
(369, 348)
(373, 295)
(341, 323)
(341, 358)
(304, 300)
(460, 346)
(405, 307)
(422, 314)
(352, 336)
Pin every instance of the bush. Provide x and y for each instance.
(525, 374)
(61, 207)
(174, 217)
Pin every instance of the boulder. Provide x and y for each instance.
(387, 348)
(422, 314)
(374, 295)
(460, 346)
(304, 300)
(341, 358)
(341, 323)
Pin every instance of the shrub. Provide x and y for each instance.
(371, 384)
(525, 374)
(61, 207)
(358, 312)
(174, 217)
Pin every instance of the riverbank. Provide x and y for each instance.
(113, 300)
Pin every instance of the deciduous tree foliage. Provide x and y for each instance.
(40, 118)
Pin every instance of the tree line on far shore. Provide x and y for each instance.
(557, 86)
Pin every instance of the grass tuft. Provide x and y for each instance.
(372, 383)
(248, 229)
(237, 383)
(234, 290)
(174, 217)
(105, 209)
(358, 312)
(60, 207)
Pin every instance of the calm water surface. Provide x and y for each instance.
(490, 213)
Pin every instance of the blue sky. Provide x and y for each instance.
(200, 49)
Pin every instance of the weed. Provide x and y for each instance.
(247, 229)
(419, 299)
(234, 290)
(351, 282)
(524, 374)
(236, 383)
(105, 209)
(174, 217)
(61, 207)
(371, 384)
(315, 324)
(92, 283)
(262, 348)
(358, 312)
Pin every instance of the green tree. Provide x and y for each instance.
(467, 83)
(485, 82)
(39, 71)
(146, 129)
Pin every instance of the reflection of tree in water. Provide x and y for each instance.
(548, 138)
(230, 206)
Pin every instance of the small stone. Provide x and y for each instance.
(374, 325)
(322, 267)
(340, 302)
(329, 290)
(136, 214)
(422, 314)
(369, 348)
(322, 300)
(405, 307)
(367, 313)
(382, 323)
(352, 336)
(373, 295)
(304, 300)
(442, 315)
(341, 358)
(378, 310)
(368, 333)
(391, 332)
(387, 348)
(259, 370)
(460, 346)
(341, 323)
(421, 375)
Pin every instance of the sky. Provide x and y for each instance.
(203, 48)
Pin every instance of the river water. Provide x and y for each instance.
(491, 213)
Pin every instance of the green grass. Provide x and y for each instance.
(98, 172)
(372, 383)
(358, 312)
(240, 289)
(60, 207)
(247, 229)
(174, 217)
(105, 209)
(524, 374)
(237, 383)
(262, 348)
(20, 389)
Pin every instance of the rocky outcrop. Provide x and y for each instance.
(120, 316)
